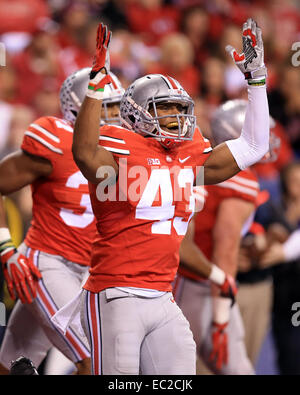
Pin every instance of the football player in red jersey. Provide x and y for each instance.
(214, 234)
(56, 250)
(128, 310)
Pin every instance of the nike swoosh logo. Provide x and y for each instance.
(184, 160)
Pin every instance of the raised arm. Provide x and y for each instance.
(230, 157)
(87, 153)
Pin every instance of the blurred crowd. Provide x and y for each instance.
(47, 40)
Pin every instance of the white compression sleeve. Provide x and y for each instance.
(291, 247)
(253, 142)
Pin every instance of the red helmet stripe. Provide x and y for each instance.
(172, 82)
(165, 78)
(114, 84)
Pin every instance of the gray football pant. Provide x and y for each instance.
(131, 335)
(30, 331)
(194, 299)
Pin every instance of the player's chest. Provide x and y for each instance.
(156, 186)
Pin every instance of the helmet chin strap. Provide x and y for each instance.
(164, 139)
(167, 142)
(172, 136)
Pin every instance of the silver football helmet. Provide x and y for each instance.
(73, 90)
(143, 95)
(227, 123)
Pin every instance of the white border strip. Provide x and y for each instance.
(245, 181)
(106, 138)
(239, 188)
(44, 142)
(45, 132)
(116, 150)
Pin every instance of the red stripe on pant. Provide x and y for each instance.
(95, 332)
(82, 354)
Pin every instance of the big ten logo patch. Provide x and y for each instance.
(153, 161)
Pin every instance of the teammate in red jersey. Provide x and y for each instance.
(214, 235)
(57, 247)
(141, 181)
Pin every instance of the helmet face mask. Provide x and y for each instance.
(140, 110)
(113, 94)
(108, 114)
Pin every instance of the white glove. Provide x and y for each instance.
(251, 60)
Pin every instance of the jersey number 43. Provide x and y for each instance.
(160, 181)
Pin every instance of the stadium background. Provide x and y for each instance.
(47, 40)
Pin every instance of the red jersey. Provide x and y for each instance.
(62, 219)
(143, 217)
(242, 186)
